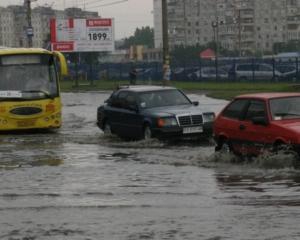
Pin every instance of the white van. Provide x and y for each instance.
(249, 71)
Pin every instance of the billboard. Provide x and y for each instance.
(82, 35)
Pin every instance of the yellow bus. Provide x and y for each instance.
(29, 88)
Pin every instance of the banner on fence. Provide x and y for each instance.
(82, 35)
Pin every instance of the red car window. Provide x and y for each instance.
(255, 109)
(236, 109)
(285, 108)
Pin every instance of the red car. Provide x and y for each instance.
(255, 122)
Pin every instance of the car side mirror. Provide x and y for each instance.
(196, 103)
(260, 121)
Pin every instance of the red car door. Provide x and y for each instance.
(228, 122)
(254, 133)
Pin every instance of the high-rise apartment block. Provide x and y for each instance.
(240, 25)
(13, 24)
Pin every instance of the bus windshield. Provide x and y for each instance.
(30, 76)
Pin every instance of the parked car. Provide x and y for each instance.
(208, 73)
(288, 72)
(249, 71)
(143, 112)
(181, 73)
(252, 123)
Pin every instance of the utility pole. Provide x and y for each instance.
(29, 29)
(237, 8)
(166, 56)
(215, 26)
(184, 23)
(240, 32)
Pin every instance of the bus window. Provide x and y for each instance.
(31, 78)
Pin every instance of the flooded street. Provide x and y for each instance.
(78, 184)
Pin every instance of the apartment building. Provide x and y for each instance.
(7, 33)
(293, 20)
(240, 25)
(13, 24)
(41, 25)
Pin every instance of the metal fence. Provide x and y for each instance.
(220, 70)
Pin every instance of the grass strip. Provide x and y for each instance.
(221, 90)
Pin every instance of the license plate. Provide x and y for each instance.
(26, 123)
(188, 130)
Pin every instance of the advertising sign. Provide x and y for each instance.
(82, 35)
(29, 32)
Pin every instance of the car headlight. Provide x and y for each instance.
(209, 117)
(167, 122)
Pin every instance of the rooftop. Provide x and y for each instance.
(142, 88)
(270, 95)
(7, 50)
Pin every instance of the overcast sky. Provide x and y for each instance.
(128, 15)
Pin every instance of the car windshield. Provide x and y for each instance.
(162, 98)
(27, 80)
(285, 108)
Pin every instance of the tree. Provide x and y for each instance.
(143, 36)
(192, 53)
(290, 46)
(183, 53)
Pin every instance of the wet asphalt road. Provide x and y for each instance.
(78, 184)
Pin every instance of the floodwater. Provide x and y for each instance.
(78, 184)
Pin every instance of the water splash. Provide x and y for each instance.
(267, 160)
(281, 159)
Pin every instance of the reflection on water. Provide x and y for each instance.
(48, 161)
(37, 161)
(261, 188)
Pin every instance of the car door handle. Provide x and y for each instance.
(242, 127)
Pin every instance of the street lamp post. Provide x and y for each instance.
(166, 56)
(29, 29)
(215, 26)
(240, 32)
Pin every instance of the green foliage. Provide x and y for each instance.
(85, 57)
(142, 36)
(182, 53)
(192, 53)
(290, 46)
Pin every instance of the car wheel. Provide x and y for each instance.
(107, 128)
(281, 147)
(224, 146)
(147, 133)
